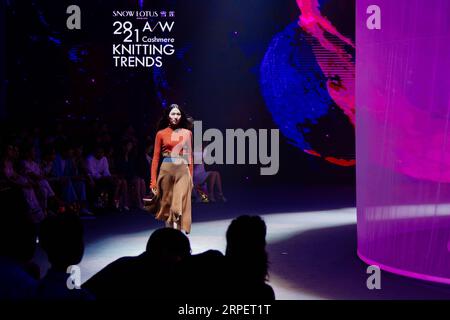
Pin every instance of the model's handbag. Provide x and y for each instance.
(152, 204)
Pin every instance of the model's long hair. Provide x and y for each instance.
(164, 121)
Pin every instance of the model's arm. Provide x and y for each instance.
(155, 160)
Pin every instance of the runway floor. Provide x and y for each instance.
(311, 243)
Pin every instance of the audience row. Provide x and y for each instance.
(166, 270)
(57, 174)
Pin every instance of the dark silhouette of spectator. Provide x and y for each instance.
(126, 169)
(202, 277)
(18, 277)
(239, 275)
(149, 276)
(247, 260)
(61, 237)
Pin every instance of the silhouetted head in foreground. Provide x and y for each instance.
(168, 245)
(62, 239)
(17, 232)
(246, 246)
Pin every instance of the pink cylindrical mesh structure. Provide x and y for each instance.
(403, 137)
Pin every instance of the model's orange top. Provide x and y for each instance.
(171, 143)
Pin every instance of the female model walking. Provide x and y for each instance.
(172, 184)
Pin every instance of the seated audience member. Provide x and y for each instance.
(48, 158)
(18, 277)
(144, 163)
(239, 275)
(97, 165)
(127, 168)
(72, 182)
(32, 170)
(150, 276)
(79, 160)
(100, 177)
(212, 179)
(35, 211)
(201, 277)
(247, 261)
(61, 237)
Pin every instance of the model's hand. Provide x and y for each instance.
(155, 191)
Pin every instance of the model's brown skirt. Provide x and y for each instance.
(174, 194)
